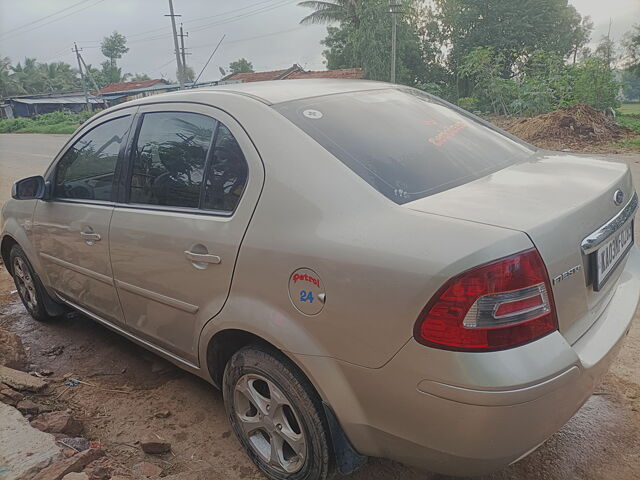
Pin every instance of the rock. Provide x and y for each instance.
(27, 407)
(25, 450)
(58, 422)
(58, 470)
(76, 476)
(21, 381)
(12, 352)
(121, 477)
(68, 452)
(98, 471)
(154, 445)
(78, 444)
(147, 470)
(162, 414)
(10, 396)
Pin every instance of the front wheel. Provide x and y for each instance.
(29, 288)
(277, 416)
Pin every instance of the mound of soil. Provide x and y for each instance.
(578, 127)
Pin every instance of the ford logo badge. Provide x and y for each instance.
(618, 197)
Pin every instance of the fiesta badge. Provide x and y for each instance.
(306, 291)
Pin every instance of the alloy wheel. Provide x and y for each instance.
(270, 423)
(24, 282)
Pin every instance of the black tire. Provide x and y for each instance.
(33, 296)
(308, 416)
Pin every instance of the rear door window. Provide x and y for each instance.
(404, 143)
(169, 158)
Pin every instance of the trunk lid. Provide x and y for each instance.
(558, 200)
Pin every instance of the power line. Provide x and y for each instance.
(264, 9)
(51, 21)
(43, 18)
(137, 34)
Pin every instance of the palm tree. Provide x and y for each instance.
(9, 84)
(345, 11)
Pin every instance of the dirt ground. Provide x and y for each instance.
(126, 386)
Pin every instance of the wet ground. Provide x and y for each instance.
(125, 387)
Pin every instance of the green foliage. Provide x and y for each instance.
(633, 143)
(630, 121)
(242, 65)
(344, 11)
(56, 122)
(31, 77)
(368, 45)
(543, 83)
(469, 103)
(113, 47)
(595, 85)
(631, 45)
(513, 29)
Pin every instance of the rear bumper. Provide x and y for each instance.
(472, 413)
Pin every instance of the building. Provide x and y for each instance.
(31, 105)
(124, 91)
(293, 72)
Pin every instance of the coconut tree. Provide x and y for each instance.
(342, 11)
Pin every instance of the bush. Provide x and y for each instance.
(540, 83)
(55, 122)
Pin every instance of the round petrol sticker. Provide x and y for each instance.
(307, 291)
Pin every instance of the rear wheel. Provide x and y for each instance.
(277, 416)
(28, 285)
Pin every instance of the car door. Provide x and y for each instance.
(71, 230)
(194, 178)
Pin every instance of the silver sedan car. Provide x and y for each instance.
(363, 269)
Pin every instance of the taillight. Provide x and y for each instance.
(495, 306)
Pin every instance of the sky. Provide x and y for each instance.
(265, 32)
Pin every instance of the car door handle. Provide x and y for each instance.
(202, 257)
(90, 237)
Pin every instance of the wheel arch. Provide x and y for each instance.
(224, 343)
(6, 245)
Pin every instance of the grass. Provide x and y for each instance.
(629, 121)
(633, 144)
(629, 109)
(56, 122)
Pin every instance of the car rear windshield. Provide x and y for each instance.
(406, 144)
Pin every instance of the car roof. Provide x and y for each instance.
(278, 91)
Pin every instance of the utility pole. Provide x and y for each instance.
(95, 86)
(175, 45)
(84, 83)
(184, 53)
(394, 8)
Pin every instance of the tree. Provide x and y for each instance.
(113, 74)
(138, 77)
(514, 28)
(368, 45)
(241, 65)
(631, 44)
(113, 47)
(338, 11)
(9, 84)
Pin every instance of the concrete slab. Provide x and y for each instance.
(24, 450)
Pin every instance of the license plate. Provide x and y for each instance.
(609, 255)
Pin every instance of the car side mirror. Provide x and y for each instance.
(30, 188)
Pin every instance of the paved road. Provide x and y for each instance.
(22, 155)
